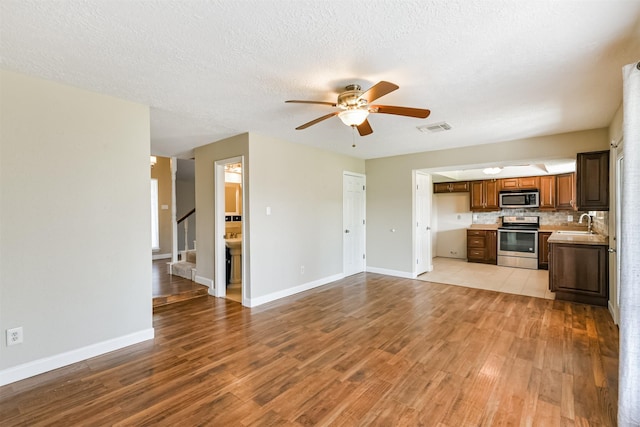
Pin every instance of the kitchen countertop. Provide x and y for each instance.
(579, 239)
(483, 227)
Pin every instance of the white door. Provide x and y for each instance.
(353, 223)
(422, 223)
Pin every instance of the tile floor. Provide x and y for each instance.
(534, 283)
(234, 292)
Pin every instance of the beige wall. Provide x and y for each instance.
(389, 192)
(162, 172)
(453, 219)
(75, 264)
(303, 187)
(206, 156)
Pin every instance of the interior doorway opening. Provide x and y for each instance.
(230, 230)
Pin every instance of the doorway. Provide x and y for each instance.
(353, 223)
(230, 222)
(422, 221)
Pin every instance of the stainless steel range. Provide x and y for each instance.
(518, 241)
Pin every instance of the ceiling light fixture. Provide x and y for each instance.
(491, 171)
(353, 117)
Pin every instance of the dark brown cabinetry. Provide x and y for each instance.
(592, 181)
(579, 273)
(543, 250)
(525, 183)
(565, 191)
(482, 246)
(451, 187)
(484, 195)
(548, 192)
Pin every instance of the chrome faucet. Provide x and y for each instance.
(589, 224)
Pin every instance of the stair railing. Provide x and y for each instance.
(185, 219)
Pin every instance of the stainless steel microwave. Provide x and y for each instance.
(520, 199)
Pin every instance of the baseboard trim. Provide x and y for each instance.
(387, 272)
(160, 256)
(612, 312)
(204, 281)
(254, 302)
(40, 366)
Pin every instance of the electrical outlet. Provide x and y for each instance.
(302, 269)
(14, 336)
(569, 218)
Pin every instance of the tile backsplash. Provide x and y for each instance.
(560, 219)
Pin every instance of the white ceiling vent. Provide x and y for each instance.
(436, 127)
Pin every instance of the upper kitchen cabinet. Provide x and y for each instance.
(548, 192)
(451, 187)
(524, 183)
(565, 191)
(592, 181)
(484, 195)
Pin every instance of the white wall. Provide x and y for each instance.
(454, 217)
(75, 259)
(389, 199)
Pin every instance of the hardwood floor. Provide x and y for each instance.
(168, 289)
(365, 350)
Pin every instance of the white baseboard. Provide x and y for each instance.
(612, 312)
(50, 363)
(204, 281)
(395, 273)
(160, 256)
(254, 302)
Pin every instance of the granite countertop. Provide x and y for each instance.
(483, 227)
(579, 239)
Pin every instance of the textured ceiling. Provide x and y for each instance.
(494, 70)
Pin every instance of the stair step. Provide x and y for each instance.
(160, 301)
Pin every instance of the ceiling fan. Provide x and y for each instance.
(355, 106)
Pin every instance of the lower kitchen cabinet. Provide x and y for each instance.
(579, 273)
(482, 246)
(543, 250)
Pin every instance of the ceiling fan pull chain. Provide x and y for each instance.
(353, 136)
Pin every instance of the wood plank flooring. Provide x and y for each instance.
(366, 350)
(168, 289)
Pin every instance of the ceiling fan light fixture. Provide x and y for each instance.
(353, 117)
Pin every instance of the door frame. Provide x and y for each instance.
(219, 274)
(614, 230)
(364, 209)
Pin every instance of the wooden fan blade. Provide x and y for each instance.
(419, 113)
(318, 120)
(333, 104)
(364, 128)
(379, 89)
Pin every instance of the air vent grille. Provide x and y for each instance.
(435, 127)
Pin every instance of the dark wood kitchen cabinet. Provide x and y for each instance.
(543, 250)
(451, 187)
(482, 246)
(484, 195)
(592, 181)
(566, 191)
(579, 273)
